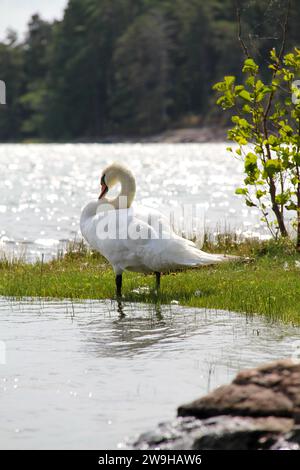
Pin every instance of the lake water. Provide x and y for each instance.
(44, 187)
(92, 374)
(86, 375)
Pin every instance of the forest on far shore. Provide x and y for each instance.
(130, 67)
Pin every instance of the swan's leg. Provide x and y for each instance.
(119, 285)
(157, 281)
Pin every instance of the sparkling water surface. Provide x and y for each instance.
(44, 187)
(92, 374)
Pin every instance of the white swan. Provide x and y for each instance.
(136, 239)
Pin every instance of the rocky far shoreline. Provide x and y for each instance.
(205, 134)
(190, 135)
(185, 135)
(260, 409)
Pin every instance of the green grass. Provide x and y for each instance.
(266, 281)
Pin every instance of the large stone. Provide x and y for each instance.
(260, 409)
(269, 390)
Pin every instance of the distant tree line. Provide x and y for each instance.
(129, 67)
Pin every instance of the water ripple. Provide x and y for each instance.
(88, 374)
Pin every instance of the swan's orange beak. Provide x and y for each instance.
(104, 190)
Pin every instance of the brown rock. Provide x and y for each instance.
(248, 400)
(269, 390)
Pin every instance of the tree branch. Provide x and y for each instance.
(284, 27)
(239, 25)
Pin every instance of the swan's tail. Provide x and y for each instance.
(181, 254)
(201, 258)
(188, 255)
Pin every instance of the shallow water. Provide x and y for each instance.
(44, 187)
(88, 375)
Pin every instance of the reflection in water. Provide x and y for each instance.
(89, 374)
(135, 328)
(158, 311)
(156, 307)
(120, 309)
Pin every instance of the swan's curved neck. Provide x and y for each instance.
(89, 211)
(122, 201)
(127, 192)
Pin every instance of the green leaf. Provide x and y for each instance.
(273, 55)
(220, 86)
(250, 66)
(229, 80)
(272, 167)
(241, 122)
(226, 101)
(250, 162)
(245, 95)
(250, 81)
(283, 197)
(238, 88)
(241, 140)
(241, 191)
(246, 108)
(260, 193)
(289, 59)
(291, 206)
(272, 140)
(286, 129)
(250, 203)
(295, 180)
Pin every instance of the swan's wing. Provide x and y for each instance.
(146, 250)
(160, 223)
(121, 238)
(165, 225)
(176, 253)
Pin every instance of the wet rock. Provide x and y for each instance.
(283, 444)
(221, 432)
(269, 390)
(294, 435)
(243, 433)
(260, 409)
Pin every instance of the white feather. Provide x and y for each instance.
(161, 251)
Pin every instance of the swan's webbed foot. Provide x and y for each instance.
(157, 274)
(119, 285)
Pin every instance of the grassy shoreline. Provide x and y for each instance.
(266, 281)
